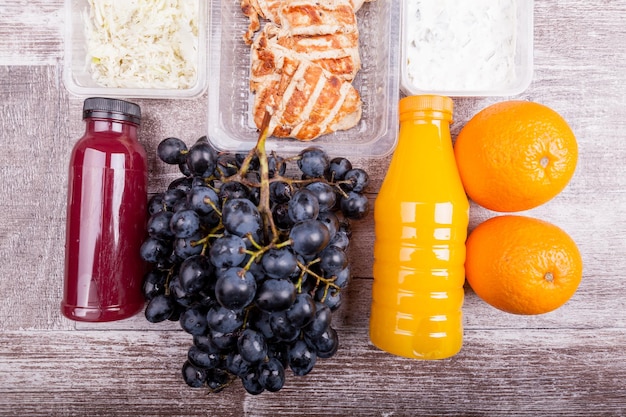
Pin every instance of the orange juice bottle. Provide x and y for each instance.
(421, 216)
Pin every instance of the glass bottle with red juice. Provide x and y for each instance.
(106, 215)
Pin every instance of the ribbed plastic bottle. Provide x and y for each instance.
(106, 215)
(421, 217)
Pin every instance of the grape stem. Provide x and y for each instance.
(328, 282)
(270, 231)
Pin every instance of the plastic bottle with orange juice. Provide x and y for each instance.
(421, 216)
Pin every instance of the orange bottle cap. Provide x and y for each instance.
(432, 106)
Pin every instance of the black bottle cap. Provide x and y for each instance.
(111, 108)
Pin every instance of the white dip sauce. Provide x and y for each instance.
(460, 45)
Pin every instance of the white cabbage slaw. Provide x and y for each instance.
(143, 43)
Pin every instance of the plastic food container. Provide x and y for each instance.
(78, 79)
(477, 48)
(230, 123)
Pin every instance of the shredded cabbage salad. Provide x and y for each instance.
(143, 43)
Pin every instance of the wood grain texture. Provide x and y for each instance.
(570, 362)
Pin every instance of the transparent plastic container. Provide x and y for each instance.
(446, 61)
(77, 77)
(231, 127)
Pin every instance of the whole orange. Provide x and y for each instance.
(515, 155)
(522, 265)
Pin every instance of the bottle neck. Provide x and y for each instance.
(428, 132)
(101, 125)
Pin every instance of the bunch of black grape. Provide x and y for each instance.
(251, 263)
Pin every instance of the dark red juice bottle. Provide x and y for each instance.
(106, 215)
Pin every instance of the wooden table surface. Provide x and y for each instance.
(568, 362)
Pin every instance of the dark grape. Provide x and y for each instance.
(251, 383)
(260, 320)
(156, 204)
(226, 165)
(280, 192)
(275, 295)
(342, 278)
(330, 296)
(217, 379)
(276, 165)
(272, 375)
(182, 297)
(224, 320)
(325, 194)
(337, 169)
(340, 240)
(193, 321)
(331, 221)
(313, 162)
(182, 183)
(232, 190)
(255, 163)
(303, 206)
(302, 312)
(237, 365)
(195, 273)
(321, 321)
(154, 250)
(282, 328)
(355, 205)
(301, 358)
(355, 180)
(204, 343)
(185, 223)
(184, 169)
(309, 237)
(193, 376)
(159, 225)
(240, 217)
(172, 151)
(280, 214)
(279, 263)
(201, 358)
(203, 200)
(186, 247)
(326, 344)
(159, 308)
(154, 283)
(227, 251)
(173, 197)
(252, 346)
(201, 159)
(333, 260)
(235, 288)
(223, 341)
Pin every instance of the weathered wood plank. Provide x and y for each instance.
(521, 372)
(35, 146)
(31, 32)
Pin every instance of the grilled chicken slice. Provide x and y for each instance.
(256, 9)
(304, 99)
(298, 12)
(326, 32)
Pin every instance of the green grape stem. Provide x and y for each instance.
(328, 282)
(208, 201)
